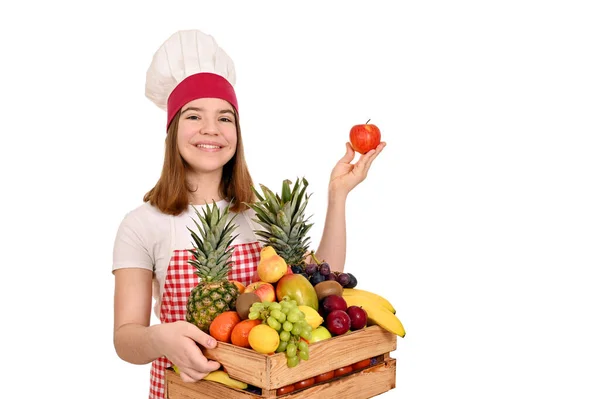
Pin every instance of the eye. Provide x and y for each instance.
(193, 118)
(225, 119)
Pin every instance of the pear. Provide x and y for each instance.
(271, 267)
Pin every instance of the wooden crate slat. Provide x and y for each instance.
(363, 385)
(241, 364)
(332, 354)
(271, 372)
(360, 385)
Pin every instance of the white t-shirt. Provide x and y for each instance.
(146, 239)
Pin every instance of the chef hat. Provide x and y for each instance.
(187, 66)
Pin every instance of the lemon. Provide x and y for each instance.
(263, 339)
(312, 316)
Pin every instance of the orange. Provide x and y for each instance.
(222, 325)
(241, 287)
(239, 335)
(264, 339)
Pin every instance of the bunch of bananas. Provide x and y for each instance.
(379, 310)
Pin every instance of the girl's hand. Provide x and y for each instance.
(345, 175)
(177, 341)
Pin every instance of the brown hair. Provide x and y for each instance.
(171, 192)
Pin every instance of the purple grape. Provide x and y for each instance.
(353, 282)
(296, 269)
(331, 277)
(343, 279)
(310, 269)
(324, 269)
(316, 278)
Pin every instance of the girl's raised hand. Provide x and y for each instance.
(345, 175)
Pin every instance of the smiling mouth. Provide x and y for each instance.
(209, 146)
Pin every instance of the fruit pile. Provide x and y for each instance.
(317, 272)
(289, 321)
(291, 303)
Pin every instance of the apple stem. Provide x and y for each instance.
(367, 122)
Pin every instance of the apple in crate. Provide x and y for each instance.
(319, 334)
(298, 288)
(265, 291)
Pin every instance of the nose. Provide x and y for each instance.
(209, 127)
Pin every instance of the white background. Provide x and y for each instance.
(479, 221)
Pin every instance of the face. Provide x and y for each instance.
(207, 137)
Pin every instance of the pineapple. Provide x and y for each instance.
(212, 252)
(284, 222)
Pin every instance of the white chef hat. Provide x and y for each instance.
(187, 66)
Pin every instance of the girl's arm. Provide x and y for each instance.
(344, 177)
(137, 342)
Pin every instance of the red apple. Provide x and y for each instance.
(365, 137)
(265, 291)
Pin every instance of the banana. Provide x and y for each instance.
(377, 314)
(223, 378)
(371, 295)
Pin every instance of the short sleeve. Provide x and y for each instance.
(131, 247)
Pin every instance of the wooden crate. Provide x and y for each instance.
(270, 372)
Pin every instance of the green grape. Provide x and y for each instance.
(279, 315)
(276, 313)
(273, 323)
(303, 355)
(282, 346)
(266, 304)
(287, 326)
(306, 334)
(284, 336)
(293, 361)
(274, 306)
(291, 349)
(255, 308)
(285, 310)
(303, 346)
(293, 316)
(293, 302)
(253, 315)
(297, 329)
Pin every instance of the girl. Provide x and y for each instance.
(192, 79)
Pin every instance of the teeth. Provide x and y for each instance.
(208, 146)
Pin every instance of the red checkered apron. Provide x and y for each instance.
(179, 281)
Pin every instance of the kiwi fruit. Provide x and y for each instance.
(243, 303)
(328, 287)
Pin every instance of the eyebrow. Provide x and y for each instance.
(222, 111)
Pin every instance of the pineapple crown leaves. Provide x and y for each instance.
(212, 246)
(283, 216)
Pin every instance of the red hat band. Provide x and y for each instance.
(199, 85)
